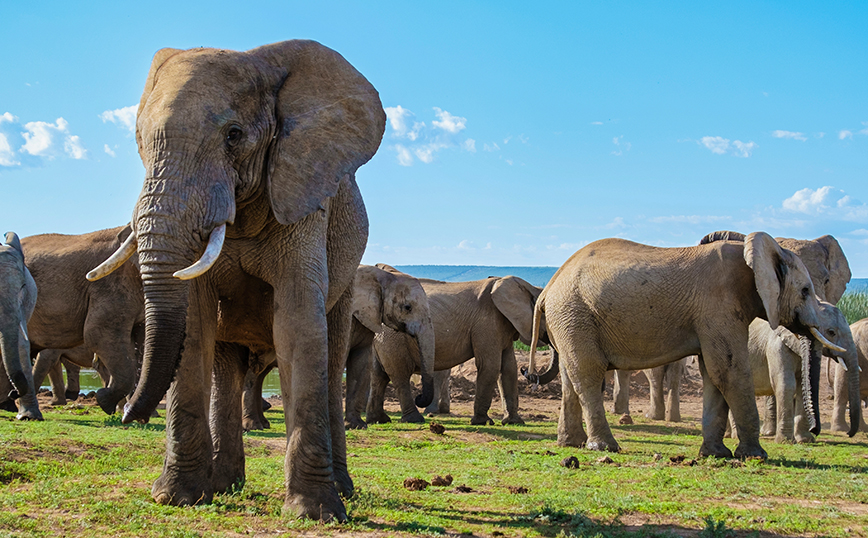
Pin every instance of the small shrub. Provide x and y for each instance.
(716, 529)
(519, 346)
(854, 306)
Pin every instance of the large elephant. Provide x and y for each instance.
(778, 361)
(17, 300)
(72, 312)
(843, 391)
(382, 296)
(259, 148)
(616, 304)
(478, 319)
(830, 272)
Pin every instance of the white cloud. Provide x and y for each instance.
(865, 130)
(620, 149)
(405, 158)
(596, 123)
(73, 148)
(716, 144)
(7, 154)
(845, 134)
(8, 117)
(492, 147)
(789, 134)
(426, 153)
(448, 122)
(743, 149)
(38, 140)
(827, 202)
(469, 145)
(123, 116)
(108, 150)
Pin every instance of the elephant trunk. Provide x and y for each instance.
(546, 377)
(811, 356)
(425, 340)
(9, 336)
(852, 360)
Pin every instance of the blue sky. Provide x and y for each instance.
(518, 132)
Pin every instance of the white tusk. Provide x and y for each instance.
(24, 331)
(825, 342)
(122, 254)
(841, 362)
(212, 251)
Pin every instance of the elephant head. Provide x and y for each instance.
(233, 143)
(382, 295)
(16, 305)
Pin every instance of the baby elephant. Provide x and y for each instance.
(843, 391)
(778, 359)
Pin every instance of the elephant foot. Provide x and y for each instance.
(512, 419)
(378, 418)
(839, 426)
(414, 417)
(673, 417)
(177, 492)
(324, 505)
(355, 423)
(655, 414)
(57, 401)
(744, 451)
(767, 431)
(9, 405)
(344, 483)
(227, 482)
(30, 414)
(435, 409)
(716, 449)
(106, 401)
(71, 395)
(481, 421)
(250, 424)
(576, 440)
(603, 445)
(807, 437)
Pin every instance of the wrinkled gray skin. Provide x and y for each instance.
(825, 261)
(479, 319)
(843, 390)
(72, 312)
(382, 296)
(263, 144)
(17, 301)
(665, 388)
(778, 359)
(51, 362)
(616, 304)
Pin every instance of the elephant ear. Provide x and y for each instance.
(159, 59)
(13, 241)
(124, 233)
(765, 257)
(515, 299)
(329, 122)
(839, 268)
(368, 298)
(789, 339)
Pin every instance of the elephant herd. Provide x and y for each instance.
(243, 252)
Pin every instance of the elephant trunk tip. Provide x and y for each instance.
(425, 398)
(22, 387)
(133, 411)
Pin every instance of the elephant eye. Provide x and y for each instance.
(233, 136)
(805, 292)
(831, 332)
(408, 308)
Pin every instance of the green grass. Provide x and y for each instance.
(88, 475)
(854, 306)
(519, 346)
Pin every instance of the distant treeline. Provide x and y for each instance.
(538, 276)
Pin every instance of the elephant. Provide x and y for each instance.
(71, 312)
(843, 391)
(17, 300)
(382, 296)
(51, 362)
(778, 360)
(616, 304)
(830, 272)
(249, 216)
(478, 319)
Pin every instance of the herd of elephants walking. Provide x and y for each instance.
(243, 252)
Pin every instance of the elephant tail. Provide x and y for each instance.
(529, 372)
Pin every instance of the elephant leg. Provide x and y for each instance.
(73, 379)
(48, 364)
(507, 385)
(303, 362)
(28, 405)
(840, 399)
(252, 413)
(340, 322)
(442, 401)
(674, 372)
(715, 413)
(230, 363)
(785, 388)
(487, 371)
(186, 478)
(621, 391)
(770, 414)
(570, 430)
(113, 343)
(376, 414)
(655, 376)
(586, 367)
(358, 385)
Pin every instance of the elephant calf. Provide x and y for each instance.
(479, 319)
(843, 392)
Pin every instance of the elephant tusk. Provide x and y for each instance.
(826, 343)
(121, 255)
(841, 362)
(24, 331)
(212, 251)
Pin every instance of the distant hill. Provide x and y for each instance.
(538, 276)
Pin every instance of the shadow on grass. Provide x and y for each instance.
(657, 429)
